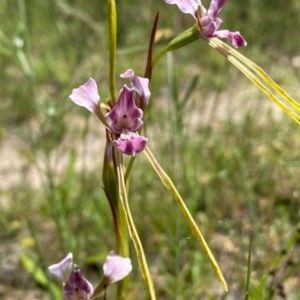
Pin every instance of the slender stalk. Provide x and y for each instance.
(110, 184)
(186, 37)
(131, 227)
(112, 22)
(186, 214)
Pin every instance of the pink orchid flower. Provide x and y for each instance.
(125, 118)
(208, 20)
(75, 286)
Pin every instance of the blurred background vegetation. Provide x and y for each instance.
(233, 155)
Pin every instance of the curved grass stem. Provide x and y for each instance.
(260, 78)
(131, 227)
(186, 214)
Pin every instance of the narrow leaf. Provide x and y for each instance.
(260, 78)
(131, 228)
(186, 214)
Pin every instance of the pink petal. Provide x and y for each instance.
(125, 115)
(62, 268)
(187, 6)
(131, 143)
(215, 7)
(235, 37)
(115, 267)
(87, 96)
(127, 74)
(140, 85)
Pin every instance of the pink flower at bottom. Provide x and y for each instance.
(77, 287)
(115, 267)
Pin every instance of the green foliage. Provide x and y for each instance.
(238, 170)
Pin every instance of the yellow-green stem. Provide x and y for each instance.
(184, 38)
(112, 22)
(259, 78)
(131, 228)
(186, 214)
(110, 185)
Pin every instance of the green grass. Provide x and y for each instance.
(233, 157)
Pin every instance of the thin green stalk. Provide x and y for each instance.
(110, 184)
(112, 22)
(132, 230)
(186, 214)
(186, 37)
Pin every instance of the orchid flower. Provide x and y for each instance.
(124, 120)
(75, 286)
(208, 20)
(125, 117)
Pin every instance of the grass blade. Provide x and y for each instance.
(131, 228)
(260, 78)
(186, 214)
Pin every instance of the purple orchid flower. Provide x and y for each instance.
(125, 118)
(75, 286)
(208, 20)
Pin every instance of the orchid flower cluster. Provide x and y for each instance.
(123, 121)
(76, 287)
(125, 118)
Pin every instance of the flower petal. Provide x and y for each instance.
(140, 85)
(87, 96)
(125, 115)
(215, 7)
(130, 143)
(62, 268)
(209, 25)
(187, 6)
(115, 267)
(77, 287)
(235, 37)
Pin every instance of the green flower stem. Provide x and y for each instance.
(110, 185)
(112, 20)
(131, 227)
(186, 214)
(260, 78)
(185, 38)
